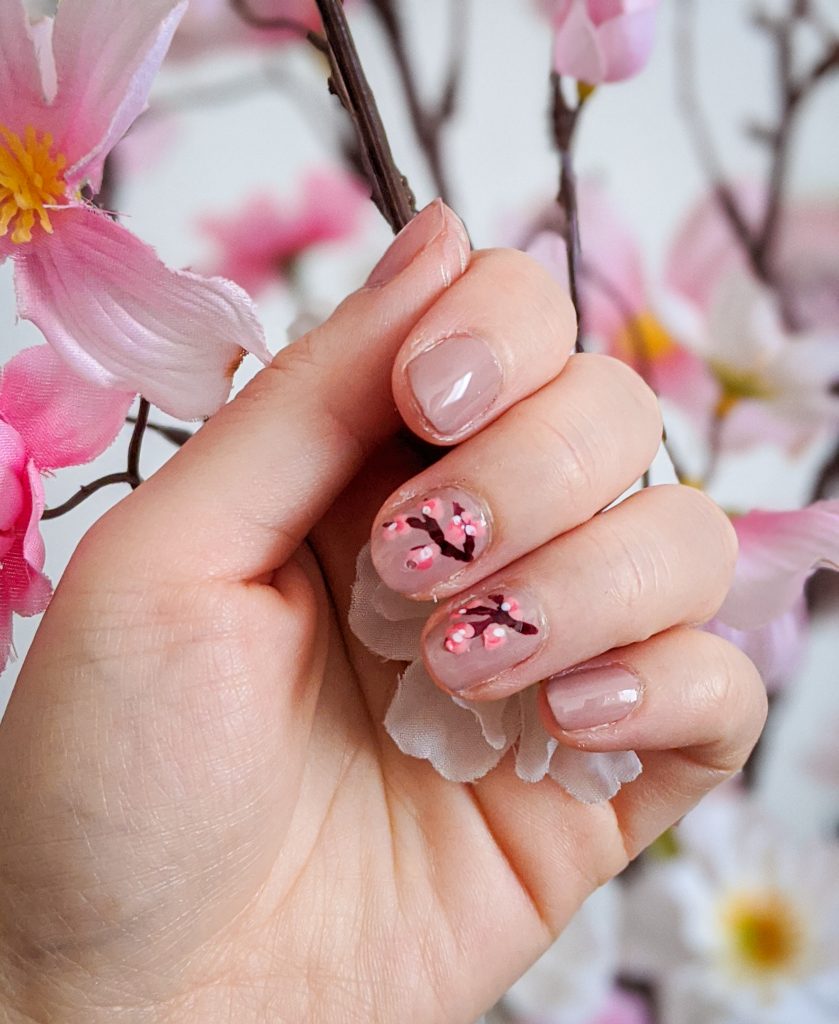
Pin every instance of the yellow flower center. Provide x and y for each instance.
(739, 384)
(764, 933)
(644, 340)
(31, 182)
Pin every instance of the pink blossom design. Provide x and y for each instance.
(459, 637)
(395, 527)
(261, 243)
(764, 611)
(432, 507)
(602, 40)
(49, 418)
(495, 636)
(101, 297)
(422, 557)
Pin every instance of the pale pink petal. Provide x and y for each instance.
(591, 777)
(577, 51)
(387, 623)
(122, 319)
(212, 25)
(426, 723)
(106, 57)
(778, 551)
(626, 42)
(624, 1008)
(776, 648)
(64, 420)
(13, 495)
(37, 593)
(21, 89)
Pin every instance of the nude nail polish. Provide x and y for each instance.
(429, 540)
(454, 383)
(586, 698)
(432, 222)
(478, 638)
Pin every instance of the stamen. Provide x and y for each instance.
(31, 182)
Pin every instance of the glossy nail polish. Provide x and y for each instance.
(429, 540)
(434, 220)
(480, 637)
(586, 698)
(454, 383)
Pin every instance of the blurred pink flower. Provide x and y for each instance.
(602, 40)
(49, 418)
(70, 87)
(764, 612)
(261, 242)
(211, 25)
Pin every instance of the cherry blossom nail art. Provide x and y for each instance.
(430, 541)
(479, 638)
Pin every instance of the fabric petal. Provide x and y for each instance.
(499, 719)
(21, 89)
(124, 320)
(106, 57)
(778, 551)
(593, 777)
(425, 723)
(577, 50)
(626, 43)
(389, 637)
(535, 747)
(64, 420)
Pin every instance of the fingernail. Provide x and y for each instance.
(588, 697)
(477, 639)
(454, 383)
(426, 542)
(417, 234)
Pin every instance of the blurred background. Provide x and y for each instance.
(240, 167)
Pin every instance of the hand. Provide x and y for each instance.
(201, 817)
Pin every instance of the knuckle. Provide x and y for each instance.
(702, 523)
(615, 377)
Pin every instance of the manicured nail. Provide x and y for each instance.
(454, 383)
(417, 234)
(482, 636)
(588, 697)
(427, 541)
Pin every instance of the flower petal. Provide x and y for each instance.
(778, 551)
(64, 420)
(382, 619)
(426, 723)
(776, 648)
(21, 89)
(577, 51)
(106, 57)
(592, 778)
(124, 320)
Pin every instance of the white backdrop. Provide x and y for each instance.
(632, 137)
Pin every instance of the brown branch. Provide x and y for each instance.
(428, 122)
(250, 17)
(87, 490)
(390, 188)
(564, 120)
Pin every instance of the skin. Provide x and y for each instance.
(202, 818)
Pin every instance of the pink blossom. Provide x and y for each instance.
(455, 532)
(764, 613)
(101, 297)
(494, 636)
(422, 557)
(602, 40)
(459, 637)
(432, 507)
(396, 527)
(211, 25)
(49, 418)
(261, 243)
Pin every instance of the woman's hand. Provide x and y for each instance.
(201, 817)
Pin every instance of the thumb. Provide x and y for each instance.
(255, 479)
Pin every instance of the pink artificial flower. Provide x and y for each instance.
(624, 1007)
(764, 612)
(70, 87)
(619, 315)
(260, 244)
(602, 40)
(211, 25)
(49, 418)
(459, 637)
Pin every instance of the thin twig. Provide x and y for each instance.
(349, 83)
(87, 490)
(565, 120)
(250, 17)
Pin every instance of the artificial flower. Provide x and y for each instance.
(212, 25)
(602, 40)
(262, 242)
(69, 90)
(463, 739)
(764, 612)
(741, 925)
(49, 418)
